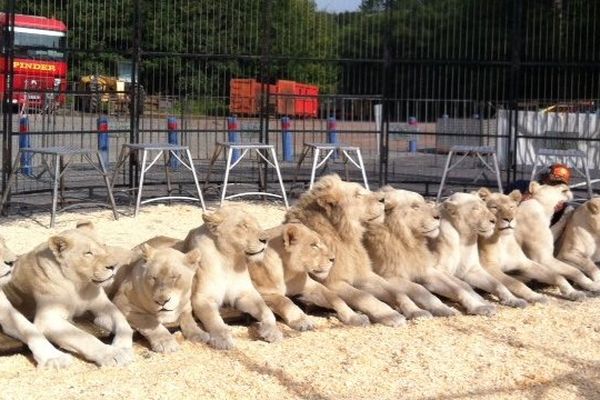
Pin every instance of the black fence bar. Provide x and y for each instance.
(404, 79)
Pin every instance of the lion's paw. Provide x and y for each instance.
(165, 345)
(444, 311)
(199, 337)
(221, 340)
(269, 332)
(514, 302)
(393, 320)
(420, 314)
(302, 324)
(61, 360)
(576, 295)
(486, 310)
(541, 299)
(115, 356)
(357, 320)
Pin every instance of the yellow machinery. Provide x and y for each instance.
(106, 93)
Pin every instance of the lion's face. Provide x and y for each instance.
(341, 200)
(504, 208)
(237, 232)
(307, 251)
(8, 259)
(551, 196)
(471, 214)
(167, 276)
(82, 258)
(420, 217)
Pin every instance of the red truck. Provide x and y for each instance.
(39, 64)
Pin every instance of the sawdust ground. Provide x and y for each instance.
(542, 352)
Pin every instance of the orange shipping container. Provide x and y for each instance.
(297, 99)
(244, 96)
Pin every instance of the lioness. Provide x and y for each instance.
(63, 278)
(399, 249)
(154, 291)
(229, 239)
(534, 235)
(500, 253)
(465, 218)
(337, 211)
(16, 325)
(580, 243)
(294, 255)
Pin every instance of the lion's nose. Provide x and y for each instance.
(493, 220)
(332, 260)
(9, 263)
(509, 220)
(162, 302)
(262, 240)
(382, 200)
(111, 267)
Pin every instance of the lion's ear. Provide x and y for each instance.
(146, 251)
(534, 186)
(593, 207)
(193, 257)
(483, 193)
(58, 244)
(85, 225)
(326, 201)
(212, 220)
(515, 196)
(290, 235)
(387, 188)
(449, 207)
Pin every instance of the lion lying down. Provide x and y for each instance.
(337, 211)
(229, 240)
(16, 325)
(580, 242)
(535, 237)
(62, 279)
(295, 257)
(154, 291)
(465, 219)
(399, 249)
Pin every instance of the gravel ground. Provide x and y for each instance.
(543, 352)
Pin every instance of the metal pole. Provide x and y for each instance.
(265, 78)
(515, 76)
(9, 24)
(386, 96)
(134, 122)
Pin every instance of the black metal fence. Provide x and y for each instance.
(403, 79)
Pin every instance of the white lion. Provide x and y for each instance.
(535, 237)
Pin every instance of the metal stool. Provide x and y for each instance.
(479, 152)
(259, 148)
(57, 173)
(329, 149)
(562, 155)
(163, 149)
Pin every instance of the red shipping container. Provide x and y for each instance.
(297, 99)
(244, 96)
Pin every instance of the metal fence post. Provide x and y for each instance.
(103, 139)
(287, 139)
(25, 143)
(7, 105)
(233, 135)
(173, 139)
